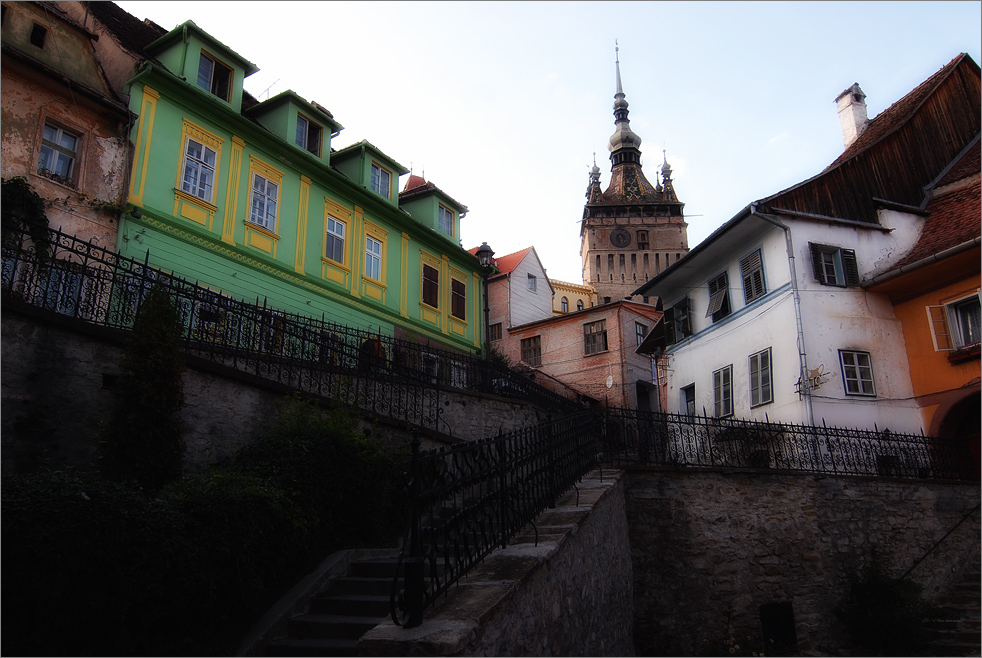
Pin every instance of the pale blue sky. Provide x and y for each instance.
(503, 104)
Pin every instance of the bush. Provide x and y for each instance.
(143, 440)
(99, 567)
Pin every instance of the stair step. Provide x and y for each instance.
(312, 647)
(384, 568)
(359, 585)
(315, 625)
(360, 605)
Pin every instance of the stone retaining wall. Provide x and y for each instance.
(56, 395)
(568, 596)
(709, 548)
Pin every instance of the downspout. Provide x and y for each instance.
(184, 52)
(802, 356)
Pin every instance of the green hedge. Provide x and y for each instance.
(95, 567)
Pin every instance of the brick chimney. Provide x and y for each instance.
(852, 113)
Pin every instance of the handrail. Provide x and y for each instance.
(938, 543)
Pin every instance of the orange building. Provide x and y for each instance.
(935, 294)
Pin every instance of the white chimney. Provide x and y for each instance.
(852, 113)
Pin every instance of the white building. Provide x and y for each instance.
(767, 316)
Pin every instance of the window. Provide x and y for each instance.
(579, 304)
(494, 331)
(688, 399)
(532, 350)
(640, 330)
(595, 337)
(719, 298)
(760, 378)
(264, 197)
(58, 154)
(955, 325)
(458, 299)
(38, 35)
(642, 240)
(564, 305)
(215, 77)
(381, 180)
(834, 266)
(753, 277)
(199, 170)
(308, 135)
(373, 258)
(531, 282)
(857, 372)
(335, 240)
(446, 221)
(723, 392)
(676, 321)
(431, 286)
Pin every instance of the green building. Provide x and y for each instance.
(250, 199)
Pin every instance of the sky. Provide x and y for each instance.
(502, 105)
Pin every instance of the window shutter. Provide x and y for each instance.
(683, 322)
(817, 263)
(850, 267)
(937, 317)
(717, 291)
(669, 319)
(753, 277)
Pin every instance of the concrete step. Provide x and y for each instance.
(359, 605)
(359, 585)
(312, 647)
(316, 625)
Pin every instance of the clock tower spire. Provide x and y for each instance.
(633, 230)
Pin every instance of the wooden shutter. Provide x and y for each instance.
(851, 269)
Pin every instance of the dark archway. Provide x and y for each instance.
(961, 422)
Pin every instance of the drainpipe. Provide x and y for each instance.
(184, 52)
(802, 357)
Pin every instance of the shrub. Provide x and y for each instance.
(143, 439)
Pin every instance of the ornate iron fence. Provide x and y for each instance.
(472, 498)
(395, 378)
(633, 437)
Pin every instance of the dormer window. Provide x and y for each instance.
(381, 180)
(446, 221)
(215, 77)
(308, 135)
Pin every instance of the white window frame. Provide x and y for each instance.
(761, 378)
(308, 131)
(373, 258)
(446, 220)
(857, 373)
(947, 331)
(335, 240)
(640, 331)
(723, 392)
(264, 203)
(53, 148)
(752, 271)
(531, 283)
(207, 79)
(381, 180)
(201, 184)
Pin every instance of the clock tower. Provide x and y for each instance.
(633, 229)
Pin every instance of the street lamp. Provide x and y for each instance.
(485, 254)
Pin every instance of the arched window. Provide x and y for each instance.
(579, 304)
(564, 305)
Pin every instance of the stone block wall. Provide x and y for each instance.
(709, 548)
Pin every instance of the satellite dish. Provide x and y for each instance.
(610, 381)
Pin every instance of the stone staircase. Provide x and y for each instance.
(345, 610)
(961, 633)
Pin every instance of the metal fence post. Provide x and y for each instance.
(414, 566)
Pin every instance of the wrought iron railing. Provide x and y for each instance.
(473, 498)
(633, 437)
(395, 378)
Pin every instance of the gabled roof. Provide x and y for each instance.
(954, 213)
(366, 145)
(417, 186)
(901, 151)
(131, 33)
(507, 264)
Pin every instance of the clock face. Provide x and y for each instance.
(620, 238)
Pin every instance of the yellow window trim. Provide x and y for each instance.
(181, 194)
(380, 234)
(343, 215)
(257, 166)
(209, 139)
(426, 258)
(220, 61)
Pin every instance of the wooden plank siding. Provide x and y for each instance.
(917, 138)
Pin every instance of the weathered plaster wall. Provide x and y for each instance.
(709, 548)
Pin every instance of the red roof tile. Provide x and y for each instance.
(954, 219)
(505, 264)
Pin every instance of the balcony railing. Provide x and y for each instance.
(633, 437)
(391, 377)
